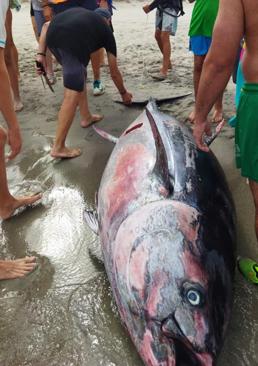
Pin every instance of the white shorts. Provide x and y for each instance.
(165, 21)
(4, 5)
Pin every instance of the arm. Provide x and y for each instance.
(219, 63)
(7, 109)
(42, 48)
(150, 7)
(117, 79)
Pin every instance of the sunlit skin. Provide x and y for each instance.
(236, 19)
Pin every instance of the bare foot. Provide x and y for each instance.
(16, 202)
(18, 106)
(65, 153)
(217, 116)
(191, 117)
(164, 72)
(16, 268)
(94, 118)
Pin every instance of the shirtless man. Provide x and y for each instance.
(73, 36)
(8, 203)
(236, 19)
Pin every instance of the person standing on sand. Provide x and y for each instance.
(236, 19)
(8, 203)
(166, 25)
(72, 36)
(200, 32)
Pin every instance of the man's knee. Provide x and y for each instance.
(198, 64)
(165, 36)
(3, 137)
(157, 35)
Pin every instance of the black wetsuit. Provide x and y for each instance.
(72, 36)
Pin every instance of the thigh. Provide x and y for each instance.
(169, 22)
(74, 72)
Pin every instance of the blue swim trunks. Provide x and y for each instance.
(199, 45)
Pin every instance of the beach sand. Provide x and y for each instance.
(63, 313)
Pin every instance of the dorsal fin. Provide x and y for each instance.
(161, 165)
(106, 135)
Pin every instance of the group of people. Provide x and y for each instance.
(74, 32)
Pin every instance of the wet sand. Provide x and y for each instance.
(63, 313)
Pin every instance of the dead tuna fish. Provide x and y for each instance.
(165, 218)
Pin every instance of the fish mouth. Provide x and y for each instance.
(186, 356)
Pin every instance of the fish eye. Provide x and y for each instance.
(194, 297)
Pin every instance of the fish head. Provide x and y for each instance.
(163, 289)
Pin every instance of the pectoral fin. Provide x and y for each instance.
(91, 218)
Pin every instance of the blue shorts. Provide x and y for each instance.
(166, 22)
(199, 45)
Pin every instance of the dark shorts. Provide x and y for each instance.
(74, 72)
(86, 4)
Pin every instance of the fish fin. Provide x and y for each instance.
(91, 218)
(105, 135)
(152, 105)
(161, 166)
(95, 252)
(218, 129)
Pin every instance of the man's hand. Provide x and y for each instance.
(14, 140)
(199, 130)
(146, 9)
(127, 98)
(41, 64)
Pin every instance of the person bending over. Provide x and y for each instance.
(73, 36)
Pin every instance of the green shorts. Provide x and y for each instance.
(246, 137)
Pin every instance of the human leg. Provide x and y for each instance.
(11, 60)
(218, 110)
(65, 119)
(254, 189)
(10, 269)
(198, 64)
(8, 203)
(158, 39)
(87, 118)
(98, 87)
(166, 51)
